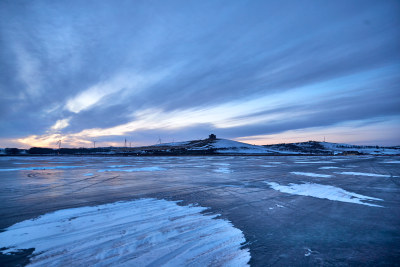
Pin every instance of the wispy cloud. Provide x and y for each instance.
(128, 81)
(60, 124)
(28, 71)
(86, 70)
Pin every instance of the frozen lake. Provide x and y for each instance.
(281, 211)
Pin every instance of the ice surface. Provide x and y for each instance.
(328, 167)
(365, 174)
(222, 164)
(120, 166)
(313, 162)
(145, 232)
(275, 235)
(41, 168)
(324, 191)
(144, 169)
(312, 174)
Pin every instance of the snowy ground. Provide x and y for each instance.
(281, 211)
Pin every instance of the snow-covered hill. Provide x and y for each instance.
(224, 146)
(372, 150)
(213, 146)
(232, 147)
(325, 148)
(208, 146)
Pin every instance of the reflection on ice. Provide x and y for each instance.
(313, 162)
(144, 169)
(41, 168)
(135, 233)
(120, 166)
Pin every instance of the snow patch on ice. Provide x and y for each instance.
(88, 174)
(312, 174)
(324, 192)
(223, 170)
(328, 168)
(135, 233)
(268, 166)
(365, 174)
(277, 206)
(308, 252)
(144, 169)
(392, 162)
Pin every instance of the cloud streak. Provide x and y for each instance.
(92, 69)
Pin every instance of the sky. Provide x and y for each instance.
(260, 72)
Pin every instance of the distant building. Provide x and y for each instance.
(212, 137)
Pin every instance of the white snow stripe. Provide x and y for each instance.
(135, 233)
(324, 192)
(312, 174)
(365, 174)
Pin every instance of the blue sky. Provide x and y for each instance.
(255, 71)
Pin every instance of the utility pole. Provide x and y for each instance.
(59, 146)
(94, 144)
